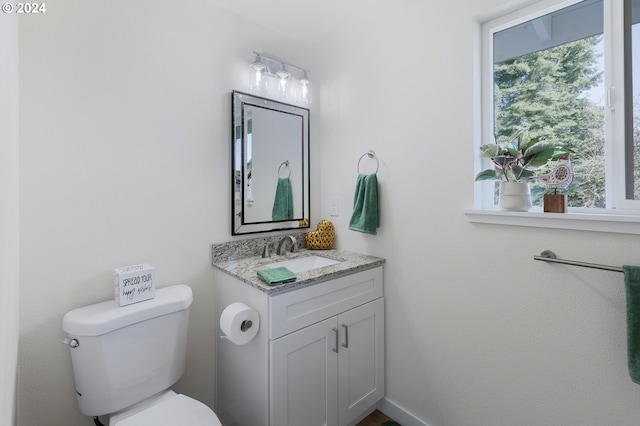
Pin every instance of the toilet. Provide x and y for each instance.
(125, 359)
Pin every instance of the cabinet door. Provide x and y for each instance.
(361, 359)
(304, 377)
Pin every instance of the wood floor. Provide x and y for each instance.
(374, 419)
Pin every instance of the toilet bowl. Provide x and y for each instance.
(126, 358)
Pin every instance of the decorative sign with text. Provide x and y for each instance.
(133, 284)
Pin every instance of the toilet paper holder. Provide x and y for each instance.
(239, 323)
(246, 324)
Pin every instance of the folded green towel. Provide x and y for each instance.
(366, 216)
(632, 283)
(283, 201)
(274, 276)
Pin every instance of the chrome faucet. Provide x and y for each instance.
(282, 247)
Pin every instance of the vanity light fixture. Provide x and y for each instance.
(291, 82)
(305, 89)
(258, 75)
(283, 77)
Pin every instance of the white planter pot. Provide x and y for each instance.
(515, 196)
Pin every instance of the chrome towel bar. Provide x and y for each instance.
(549, 256)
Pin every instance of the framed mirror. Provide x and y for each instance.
(270, 165)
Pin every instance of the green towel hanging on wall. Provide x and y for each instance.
(366, 212)
(632, 284)
(283, 202)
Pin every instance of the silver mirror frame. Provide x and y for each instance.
(240, 102)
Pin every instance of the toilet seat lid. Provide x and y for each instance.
(177, 410)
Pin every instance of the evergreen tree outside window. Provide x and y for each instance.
(551, 68)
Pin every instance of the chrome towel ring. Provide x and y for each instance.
(370, 154)
(285, 164)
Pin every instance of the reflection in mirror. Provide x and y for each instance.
(270, 165)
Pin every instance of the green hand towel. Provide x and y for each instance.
(283, 202)
(366, 216)
(632, 283)
(274, 276)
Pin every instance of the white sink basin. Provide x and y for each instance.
(302, 264)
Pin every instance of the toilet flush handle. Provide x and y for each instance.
(72, 343)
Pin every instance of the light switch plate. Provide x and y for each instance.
(334, 209)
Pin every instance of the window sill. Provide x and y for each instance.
(598, 222)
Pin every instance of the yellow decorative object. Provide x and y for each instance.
(304, 223)
(322, 238)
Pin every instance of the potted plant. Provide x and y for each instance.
(514, 161)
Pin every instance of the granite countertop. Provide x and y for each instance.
(245, 268)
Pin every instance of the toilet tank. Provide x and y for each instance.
(122, 355)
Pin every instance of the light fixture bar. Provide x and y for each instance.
(292, 82)
(274, 63)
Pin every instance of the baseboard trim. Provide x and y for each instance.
(398, 413)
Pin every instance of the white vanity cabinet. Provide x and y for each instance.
(318, 358)
(328, 373)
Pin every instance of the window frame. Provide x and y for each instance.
(621, 214)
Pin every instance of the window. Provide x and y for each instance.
(562, 70)
(632, 98)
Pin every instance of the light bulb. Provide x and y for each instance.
(283, 77)
(305, 89)
(258, 75)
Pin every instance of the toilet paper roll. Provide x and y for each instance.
(239, 323)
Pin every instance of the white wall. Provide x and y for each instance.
(125, 158)
(8, 215)
(477, 332)
(124, 137)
